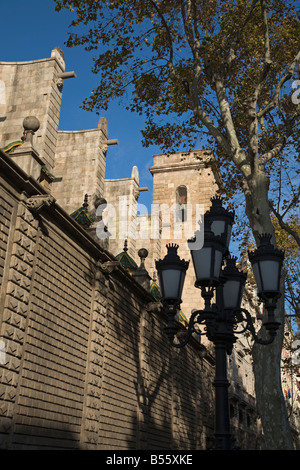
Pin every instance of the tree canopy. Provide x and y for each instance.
(222, 68)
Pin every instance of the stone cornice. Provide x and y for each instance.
(176, 167)
(37, 61)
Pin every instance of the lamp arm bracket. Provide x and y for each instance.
(239, 317)
(196, 318)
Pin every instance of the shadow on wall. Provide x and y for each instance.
(170, 389)
(37, 437)
(136, 382)
(148, 397)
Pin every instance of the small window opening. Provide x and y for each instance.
(181, 201)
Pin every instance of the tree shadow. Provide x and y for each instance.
(36, 436)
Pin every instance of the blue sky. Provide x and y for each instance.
(30, 30)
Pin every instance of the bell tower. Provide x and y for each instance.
(183, 185)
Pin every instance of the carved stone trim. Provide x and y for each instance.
(36, 203)
(108, 266)
(154, 307)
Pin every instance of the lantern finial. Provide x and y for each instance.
(172, 247)
(265, 239)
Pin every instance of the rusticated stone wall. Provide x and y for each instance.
(86, 361)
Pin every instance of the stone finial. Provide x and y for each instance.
(25, 155)
(135, 174)
(143, 253)
(60, 51)
(31, 124)
(141, 274)
(58, 54)
(85, 203)
(102, 124)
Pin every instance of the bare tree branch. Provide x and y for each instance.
(274, 152)
(252, 102)
(290, 125)
(225, 111)
(267, 57)
(190, 27)
(292, 298)
(294, 201)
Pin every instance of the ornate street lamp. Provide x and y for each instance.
(171, 275)
(267, 264)
(207, 261)
(221, 320)
(221, 220)
(233, 285)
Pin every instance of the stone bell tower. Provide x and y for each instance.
(183, 185)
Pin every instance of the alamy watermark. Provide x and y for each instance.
(296, 353)
(178, 222)
(296, 93)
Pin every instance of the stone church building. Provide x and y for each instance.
(84, 359)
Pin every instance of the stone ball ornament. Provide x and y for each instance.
(143, 253)
(31, 123)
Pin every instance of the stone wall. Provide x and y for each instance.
(79, 169)
(86, 362)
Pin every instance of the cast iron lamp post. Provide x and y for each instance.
(218, 276)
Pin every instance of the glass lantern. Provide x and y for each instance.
(207, 260)
(221, 220)
(234, 283)
(267, 265)
(171, 275)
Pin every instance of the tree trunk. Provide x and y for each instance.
(267, 359)
(270, 401)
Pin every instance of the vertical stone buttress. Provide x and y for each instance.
(90, 435)
(80, 166)
(15, 315)
(121, 213)
(32, 88)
